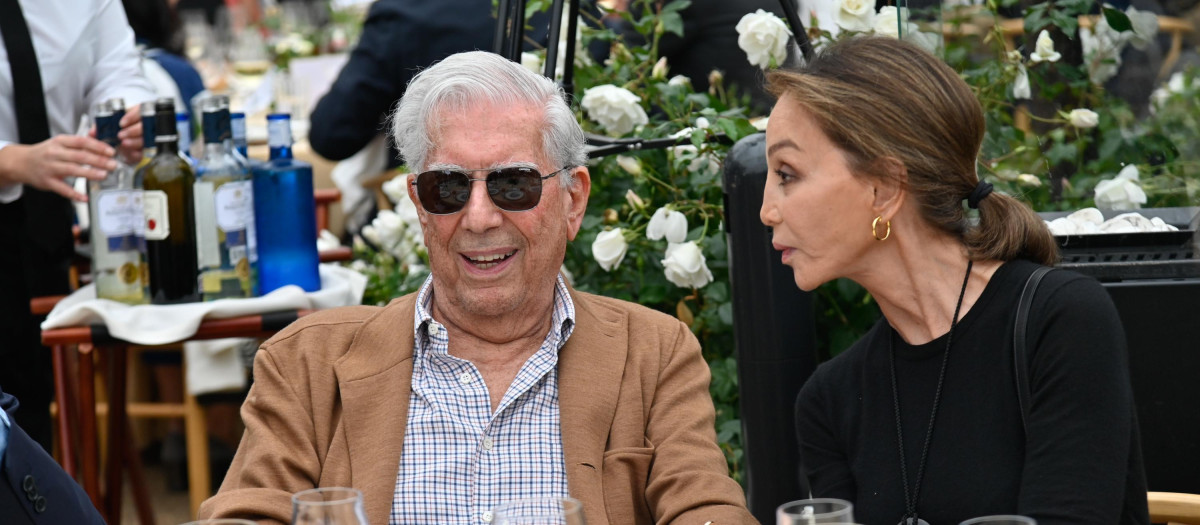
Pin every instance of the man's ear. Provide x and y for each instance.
(410, 183)
(576, 201)
(890, 190)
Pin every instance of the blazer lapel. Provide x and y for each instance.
(590, 367)
(375, 378)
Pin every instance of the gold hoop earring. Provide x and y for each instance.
(875, 226)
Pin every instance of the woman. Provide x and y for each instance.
(871, 151)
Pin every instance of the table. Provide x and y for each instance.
(81, 402)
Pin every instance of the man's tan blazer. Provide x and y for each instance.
(329, 407)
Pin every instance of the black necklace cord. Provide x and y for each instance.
(911, 498)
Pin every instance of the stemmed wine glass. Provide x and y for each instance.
(813, 511)
(539, 511)
(328, 506)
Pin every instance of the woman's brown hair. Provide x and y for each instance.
(878, 98)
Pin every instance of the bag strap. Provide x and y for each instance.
(1020, 347)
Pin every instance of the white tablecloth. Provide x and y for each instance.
(213, 365)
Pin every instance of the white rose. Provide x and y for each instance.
(609, 248)
(685, 266)
(702, 123)
(634, 201)
(679, 80)
(629, 164)
(659, 71)
(1176, 84)
(760, 124)
(326, 240)
(1044, 52)
(1029, 179)
(855, 15)
(616, 109)
(1083, 118)
(396, 188)
(531, 61)
(667, 223)
(764, 37)
(887, 22)
(1102, 46)
(1121, 192)
(1021, 84)
(1145, 27)
(697, 162)
(389, 228)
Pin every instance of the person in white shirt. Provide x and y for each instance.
(85, 54)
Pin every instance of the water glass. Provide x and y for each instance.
(220, 521)
(328, 506)
(539, 511)
(1000, 520)
(813, 511)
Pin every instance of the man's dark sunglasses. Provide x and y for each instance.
(443, 192)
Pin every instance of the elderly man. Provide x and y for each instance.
(495, 381)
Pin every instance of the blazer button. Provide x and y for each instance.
(39, 505)
(29, 484)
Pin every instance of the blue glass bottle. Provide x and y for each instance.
(285, 214)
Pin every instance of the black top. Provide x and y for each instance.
(1082, 463)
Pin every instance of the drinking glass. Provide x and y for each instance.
(1000, 520)
(328, 506)
(220, 521)
(813, 511)
(539, 511)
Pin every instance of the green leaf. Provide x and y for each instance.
(673, 23)
(725, 313)
(699, 136)
(1117, 19)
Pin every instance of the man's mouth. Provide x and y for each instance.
(483, 262)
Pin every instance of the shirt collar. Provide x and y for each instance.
(562, 315)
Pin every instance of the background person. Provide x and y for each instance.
(871, 152)
(53, 69)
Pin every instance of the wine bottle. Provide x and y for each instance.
(115, 207)
(285, 213)
(223, 200)
(168, 183)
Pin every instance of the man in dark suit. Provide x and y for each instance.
(33, 489)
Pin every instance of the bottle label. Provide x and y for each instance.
(208, 254)
(234, 202)
(154, 203)
(119, 218)
(279, 133)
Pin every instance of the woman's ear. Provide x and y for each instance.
(891, 189)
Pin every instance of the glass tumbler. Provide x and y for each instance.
(328, 506)
(539, 511)
(1000, 520)
(813, 511)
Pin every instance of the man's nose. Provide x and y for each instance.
(480, 213)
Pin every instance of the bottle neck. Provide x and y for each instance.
(167, 145)
(281, 152)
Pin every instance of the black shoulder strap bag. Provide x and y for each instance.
(1134, 509)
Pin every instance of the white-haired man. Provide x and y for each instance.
(495, 381)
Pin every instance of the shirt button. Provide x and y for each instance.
(486, 517)
(487, 443)
(465, 378)
(433, 328)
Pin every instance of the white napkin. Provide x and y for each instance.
(215, 365)
(164, 324)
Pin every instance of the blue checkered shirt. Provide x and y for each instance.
(459, 459)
